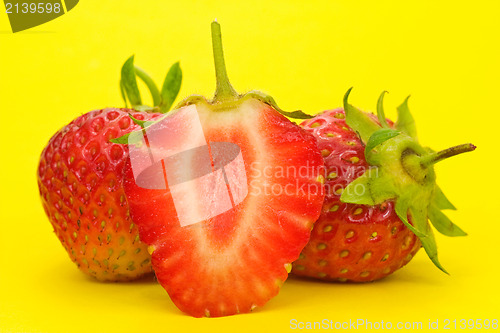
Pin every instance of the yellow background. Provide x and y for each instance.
(306, 54)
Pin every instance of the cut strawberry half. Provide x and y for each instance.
(236, 260)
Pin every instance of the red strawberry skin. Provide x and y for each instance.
(81, 187)
(351, 242)
(237, 260)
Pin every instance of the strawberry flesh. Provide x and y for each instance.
(237, 260)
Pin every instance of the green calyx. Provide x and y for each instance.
(225, 96)
(401, 170)
(162, 100)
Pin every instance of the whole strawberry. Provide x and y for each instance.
(380, 191)
(80, 178)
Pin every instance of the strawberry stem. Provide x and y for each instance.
(224, 89)
(443, 154)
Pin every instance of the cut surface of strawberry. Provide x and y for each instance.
(234, 261)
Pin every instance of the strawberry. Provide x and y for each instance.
(80, 178)
(380, 191)
(234, 261)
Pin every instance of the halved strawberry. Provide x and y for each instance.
(237, 260)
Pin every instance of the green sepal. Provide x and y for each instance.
(380, 110)
(371, 188)
(129, 82)
(402, 206)
(269, 100)
(122, 92)
(358, 120)
(153, 89)
(405, 122)
(146, 108)
(130, 138)
(430, 247)
(123, 140)
(443, 224)
(134, 137)
(130, 91)
(420, 227)
(139, 122)
(441, 201)
(352, 195)
(378, 138)
(171, 87)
